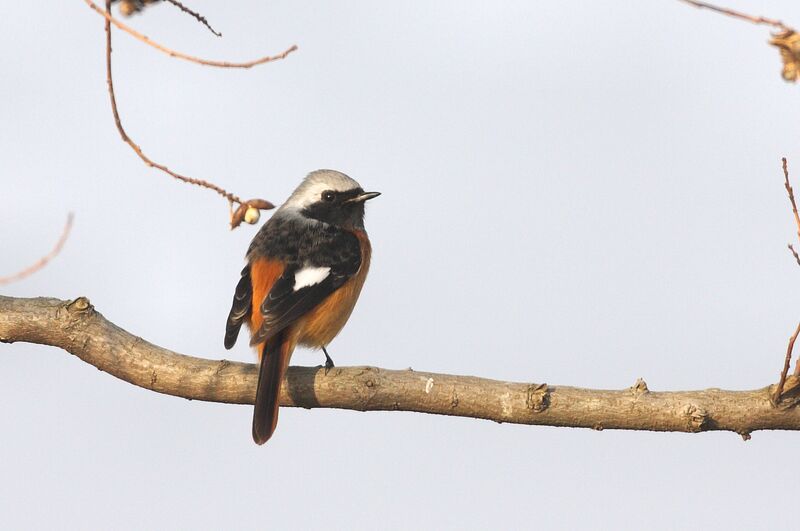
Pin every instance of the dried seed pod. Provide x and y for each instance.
(238, 216)
(128, 8)
(261, 204)
(788, 42)
(252, 215)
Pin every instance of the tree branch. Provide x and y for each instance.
(43, 261)
(186, 57)
(737, 14)
(248, 211)
(776, 397)
(197, 16)
(787, 40)
(76, 327)
(790, 193)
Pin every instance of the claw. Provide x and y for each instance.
(328, 361)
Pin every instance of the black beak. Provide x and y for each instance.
(363, 197)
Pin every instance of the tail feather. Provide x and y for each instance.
(274, 361)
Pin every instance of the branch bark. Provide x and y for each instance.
(78, 328)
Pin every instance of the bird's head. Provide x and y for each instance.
(331, 197)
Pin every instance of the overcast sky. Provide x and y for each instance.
(580, 193)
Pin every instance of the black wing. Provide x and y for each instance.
(283, 304)
(240, 309)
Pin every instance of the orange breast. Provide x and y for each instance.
(319, 326)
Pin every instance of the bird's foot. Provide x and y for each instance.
(328, 361)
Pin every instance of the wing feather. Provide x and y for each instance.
(285, 303)
(240, 308)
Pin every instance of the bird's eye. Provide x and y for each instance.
(328, 196)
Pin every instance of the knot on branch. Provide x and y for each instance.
(790, 394)
(77, 312)
(369, 380)
(81, 305)
(222, 365)
(696, 417)
(538, 397)
(639, 388)
(454, 399)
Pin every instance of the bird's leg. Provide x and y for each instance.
(328, 361)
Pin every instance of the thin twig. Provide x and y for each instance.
(794, 253)
(790, 192)
(43, 260)
(109, 79)
(172, 53)
(200, 18)
(737, 14)
(797, 368)
(232, 198)
(787, 361)
(791, 195)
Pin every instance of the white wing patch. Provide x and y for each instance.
(308, 276)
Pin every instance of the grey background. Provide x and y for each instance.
(579, 192)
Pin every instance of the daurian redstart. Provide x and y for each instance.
(305, 270)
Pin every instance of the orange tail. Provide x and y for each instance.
(274, 361)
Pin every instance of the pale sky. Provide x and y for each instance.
(578, 193)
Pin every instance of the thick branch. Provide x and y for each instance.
(76, 327)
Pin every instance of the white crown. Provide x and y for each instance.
(310, 190)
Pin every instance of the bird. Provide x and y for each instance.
(305, 270)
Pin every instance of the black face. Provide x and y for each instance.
(336, 208)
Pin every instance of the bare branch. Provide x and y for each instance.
(788, 359)
(776, 397)
(787, 40)
(794, 253)
(197, 16)
(737, 14)
(256, 204)
(76, 327)
(43, 261)
(790, 192)
(173, 53)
